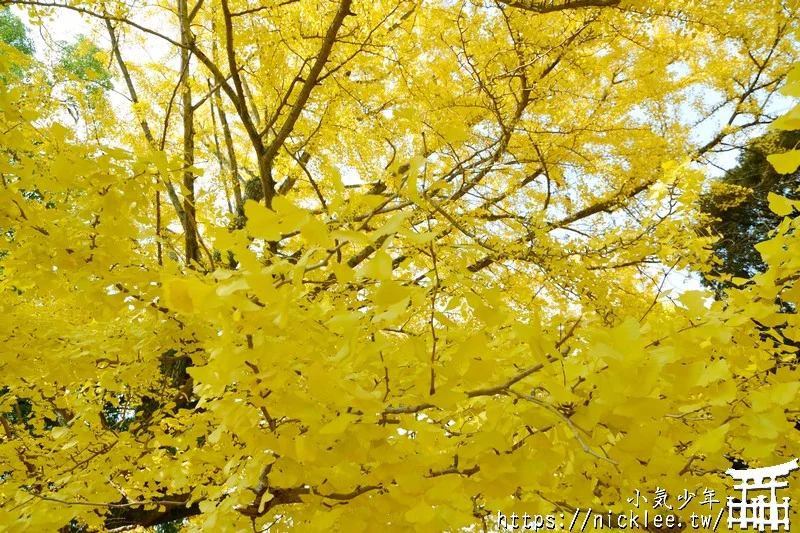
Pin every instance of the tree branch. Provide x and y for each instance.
(550, 6)
(305, 91)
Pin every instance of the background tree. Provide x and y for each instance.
(739, 205)
(14, 33)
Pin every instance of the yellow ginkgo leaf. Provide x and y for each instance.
(178, 295)
(261, 222)
(779, 205)
(379, 267)
(785, 163)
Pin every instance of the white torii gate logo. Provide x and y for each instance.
(758, 511)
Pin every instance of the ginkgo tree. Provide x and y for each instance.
(416, 268)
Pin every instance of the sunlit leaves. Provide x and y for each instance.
(261, 222)
(458, 305)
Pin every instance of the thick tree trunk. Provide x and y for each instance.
(232, 162)
(191, 242)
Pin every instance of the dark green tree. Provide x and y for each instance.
(739, 204)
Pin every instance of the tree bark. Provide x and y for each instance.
(191, 243)
(233, 165)
(550, 6)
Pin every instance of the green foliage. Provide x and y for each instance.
(79, 60)
(14, 33)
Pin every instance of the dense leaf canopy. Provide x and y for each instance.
(332, 265)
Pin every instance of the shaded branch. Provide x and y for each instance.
(550, 6)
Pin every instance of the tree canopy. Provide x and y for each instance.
(335, 264)
(14, 33)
